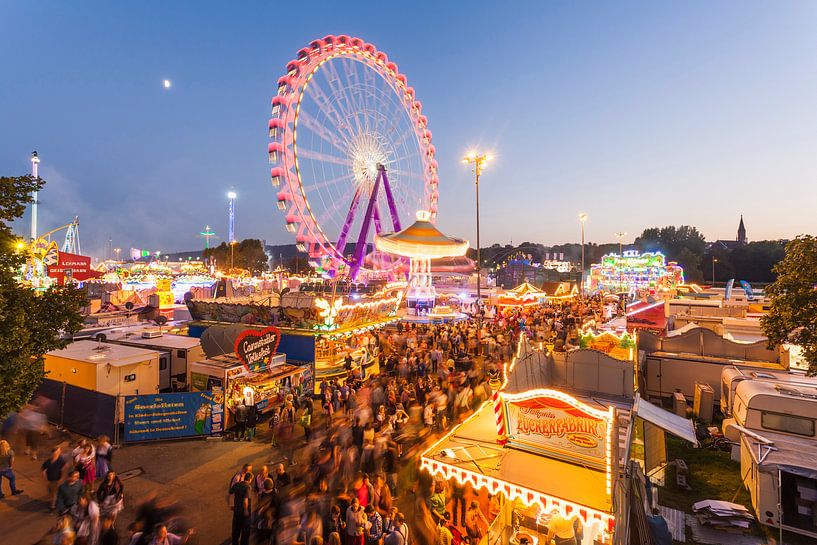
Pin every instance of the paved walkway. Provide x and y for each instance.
(194, 472)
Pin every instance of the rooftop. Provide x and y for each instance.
(167, 340)
(104, 353)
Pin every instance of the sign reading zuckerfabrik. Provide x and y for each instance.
(255, 348)
(547, 425)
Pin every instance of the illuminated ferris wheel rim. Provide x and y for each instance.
(284, 149)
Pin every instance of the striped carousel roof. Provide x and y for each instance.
(421, 239)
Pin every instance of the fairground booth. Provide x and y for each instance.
(421, 242)
(317, 331)
(553, 443)
(245, 364)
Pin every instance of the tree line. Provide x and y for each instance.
(685, 245)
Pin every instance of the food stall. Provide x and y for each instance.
(254, 373)
(542, 452)
(263, 389)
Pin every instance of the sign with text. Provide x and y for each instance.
(170, 416)
(558, 425)
(255, 348)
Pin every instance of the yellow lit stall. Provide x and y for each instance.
(550, 458)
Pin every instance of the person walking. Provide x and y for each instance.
(6, 468)
(374, 526)
(111, 495)
(252, 422)
(355, 523)
(458, 496)
(242, 508)
(241, 414)
(444, 535)
(86, 519)
(104, 456)
(52, 470)
(472, 519)
(69, 492)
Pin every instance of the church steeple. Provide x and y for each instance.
(741, 232)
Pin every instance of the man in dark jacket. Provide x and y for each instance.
(69, 492)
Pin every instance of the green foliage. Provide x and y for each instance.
(792, 316)
(626, 341)
(247, 254)
(684, 244)
(753, 262)
(31, 322)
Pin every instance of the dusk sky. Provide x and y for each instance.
(639, 114)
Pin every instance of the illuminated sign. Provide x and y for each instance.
(555, 424)
(255, 348)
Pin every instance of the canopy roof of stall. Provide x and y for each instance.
(421, 239)
(470, 453)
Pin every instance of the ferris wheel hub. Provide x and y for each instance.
(368, 154)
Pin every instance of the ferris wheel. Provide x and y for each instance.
(351, 154)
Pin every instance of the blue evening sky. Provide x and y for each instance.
(639, 114)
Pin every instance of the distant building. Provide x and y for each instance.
(730, 245)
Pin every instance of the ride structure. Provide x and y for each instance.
(350, 152)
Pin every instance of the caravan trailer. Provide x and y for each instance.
(667, 372)
(780, 473)
(732, 376)
(767, 406)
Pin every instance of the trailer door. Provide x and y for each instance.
(164, 372)
(654, 382)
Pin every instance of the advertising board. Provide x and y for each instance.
(557, 425)
(171, 416)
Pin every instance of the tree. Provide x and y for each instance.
(684, 244)
(31, 322)
(248, 254)
(792, 316)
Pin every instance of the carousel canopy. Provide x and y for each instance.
(421, 239)
(526, 289)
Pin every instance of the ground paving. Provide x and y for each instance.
(194, 472)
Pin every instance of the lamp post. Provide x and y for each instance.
(478, 160)
(620, 235)
(232, 252)
(116, 251)
(714, 260)
(582, 219)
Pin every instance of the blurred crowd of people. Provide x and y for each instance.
(340, 461)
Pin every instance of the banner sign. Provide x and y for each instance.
(170, 416)
(74, 266)
(255, 348)
(727, 294)
(557, 425)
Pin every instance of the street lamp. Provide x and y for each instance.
(620, 235)
(478, 160)
(714, 260)
(582, 219)
(474, 158)
(232, 252)
(116, 251)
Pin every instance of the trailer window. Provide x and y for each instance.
(787, 423)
